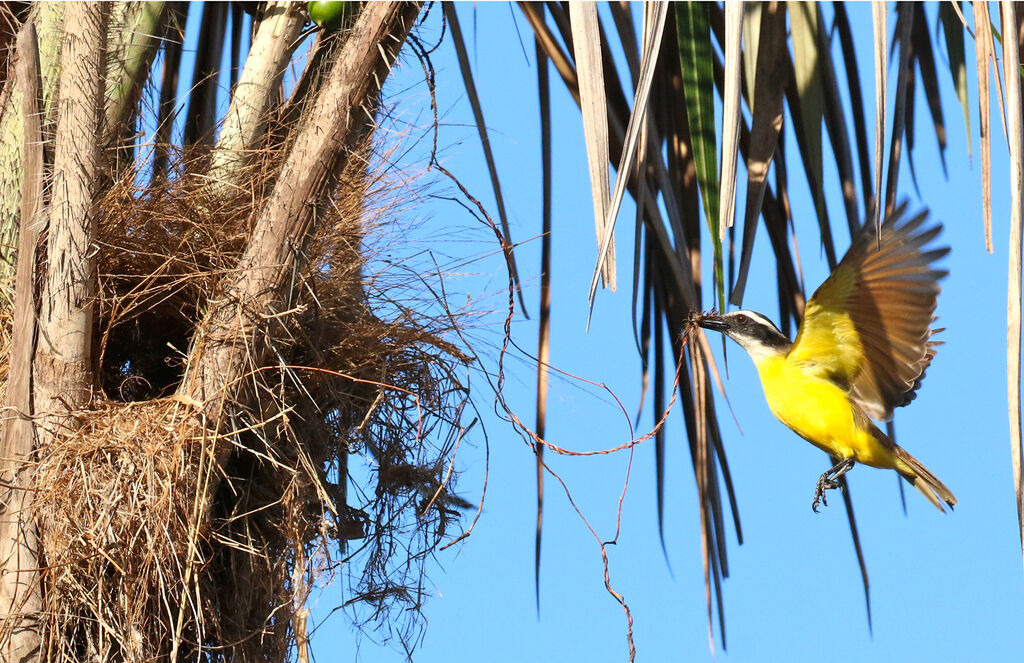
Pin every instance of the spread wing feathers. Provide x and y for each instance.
(868, 326)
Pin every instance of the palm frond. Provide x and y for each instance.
(1015, 132)
(478, 114)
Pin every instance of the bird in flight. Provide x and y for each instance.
(862, 349)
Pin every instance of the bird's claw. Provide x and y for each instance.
(829, 481)
(824, 484)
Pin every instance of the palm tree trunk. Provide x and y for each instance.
(132, 45)
(48, 18)
(62, 367)
(20, 597)
(269, 56)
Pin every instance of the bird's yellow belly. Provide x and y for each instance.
(821, 413)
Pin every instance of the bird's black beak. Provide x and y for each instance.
(714, 323)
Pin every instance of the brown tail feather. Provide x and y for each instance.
(925, 482)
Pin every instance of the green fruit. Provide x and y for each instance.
(328, 15)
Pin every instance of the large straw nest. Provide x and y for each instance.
(143, 561)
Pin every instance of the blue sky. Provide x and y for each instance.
(944, 587)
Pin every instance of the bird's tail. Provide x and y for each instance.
(925, 482)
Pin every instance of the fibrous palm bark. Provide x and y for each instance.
(62, 379)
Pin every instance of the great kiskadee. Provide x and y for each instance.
(861, 351)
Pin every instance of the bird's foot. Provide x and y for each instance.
(830, 481)
(824, 483)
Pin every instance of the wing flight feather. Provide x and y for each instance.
(868, 326)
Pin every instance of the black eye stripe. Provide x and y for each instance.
(760, 329)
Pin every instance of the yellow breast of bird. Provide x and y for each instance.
(820, 412)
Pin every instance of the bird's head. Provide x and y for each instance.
(755, 333)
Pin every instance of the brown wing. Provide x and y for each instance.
(869, 324)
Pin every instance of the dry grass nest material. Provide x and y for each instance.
(142, 561)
